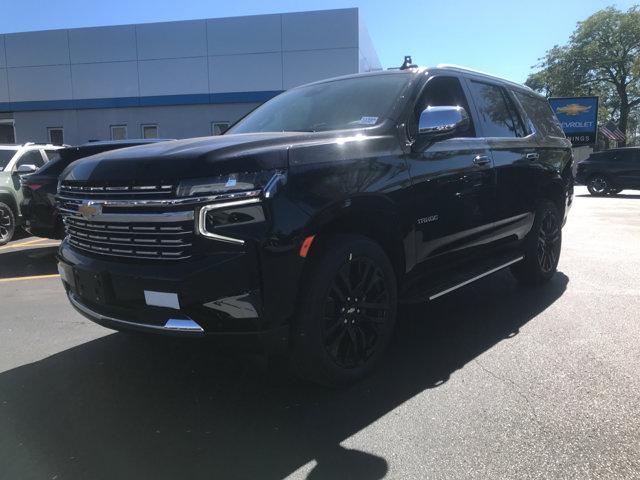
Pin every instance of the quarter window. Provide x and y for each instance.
(56, 135)
(118, 132)
(149, 131)
(497, 114)
(52, 154)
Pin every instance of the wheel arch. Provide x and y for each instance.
(374, 217)
(556, 192)
(9, 199)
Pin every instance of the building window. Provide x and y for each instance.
(149, 131)
(118, 132)
(7, 132)
(56, 135)
(218, 128)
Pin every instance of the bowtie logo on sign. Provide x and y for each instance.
(573, 109)
(90, 210)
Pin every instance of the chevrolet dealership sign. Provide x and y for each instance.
(578, 117)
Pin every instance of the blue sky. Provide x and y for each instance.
(497, 36)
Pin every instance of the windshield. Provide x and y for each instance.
(5, 158)
(341, 104)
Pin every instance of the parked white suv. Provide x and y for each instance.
(17, 160)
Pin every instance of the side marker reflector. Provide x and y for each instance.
(306, 245)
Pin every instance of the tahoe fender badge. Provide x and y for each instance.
(429, 219)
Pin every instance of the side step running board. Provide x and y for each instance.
(477, 277)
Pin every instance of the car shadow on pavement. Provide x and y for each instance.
(126, 406)
(28, 262)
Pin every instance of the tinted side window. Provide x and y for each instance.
(495, 111)
(629, 155)
(540, 113)
(52, 154)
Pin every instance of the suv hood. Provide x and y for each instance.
(175, 160)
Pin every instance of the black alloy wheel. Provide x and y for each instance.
(7, 223)
(598, 185)
(541, 247)
(548, 242)
(357, 306)
(347, 310)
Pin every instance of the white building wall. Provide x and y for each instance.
(174, 63)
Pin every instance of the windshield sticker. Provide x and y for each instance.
(368, 120)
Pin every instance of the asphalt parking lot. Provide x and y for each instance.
(493, 381)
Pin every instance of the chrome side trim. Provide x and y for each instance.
(477, 277)
(170, 202)
(217, 206)
(172, 325)
(166, 217)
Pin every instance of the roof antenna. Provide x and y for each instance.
(408, 63)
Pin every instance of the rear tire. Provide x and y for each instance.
(542, 247)
(346, 312)
(598, 185)
(7, 223)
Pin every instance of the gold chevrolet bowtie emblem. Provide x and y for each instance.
(573, 109)
(90, 210)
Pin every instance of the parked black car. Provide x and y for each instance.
(306, 223)
(610, 171)
(39, 210)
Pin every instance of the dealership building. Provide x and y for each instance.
(171, 79)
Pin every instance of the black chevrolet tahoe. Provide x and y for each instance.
(610, 171)
(305, 225)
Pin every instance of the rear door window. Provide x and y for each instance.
(497, 114)
(540, 113)
(32, 157)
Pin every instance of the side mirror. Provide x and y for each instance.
(26, 169)
(441, 121)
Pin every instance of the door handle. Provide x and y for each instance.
(481, 160)
(532, 156)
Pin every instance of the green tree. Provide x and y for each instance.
(601, 58)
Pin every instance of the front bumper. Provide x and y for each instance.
(215, 295)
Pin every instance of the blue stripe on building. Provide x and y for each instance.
(121, 102)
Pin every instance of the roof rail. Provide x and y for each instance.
(459, 68)
(26, 144)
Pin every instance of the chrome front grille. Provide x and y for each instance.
(77, 190)
(138, 221)
(172, 241)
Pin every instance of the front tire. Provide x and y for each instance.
(346, 313)
(7, 223)
(598, 185)
(542, 247)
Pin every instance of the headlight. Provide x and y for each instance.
(220, 220)
(227, 183)
(240, 215)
